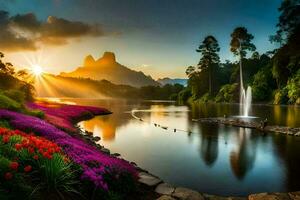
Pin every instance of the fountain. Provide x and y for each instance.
(245, 97)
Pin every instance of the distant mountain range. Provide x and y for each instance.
(164, 81)
(107, 68)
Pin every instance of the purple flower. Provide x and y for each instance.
(93, 162)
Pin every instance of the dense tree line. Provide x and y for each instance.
(274, 76)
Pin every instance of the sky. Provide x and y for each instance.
(158, 37)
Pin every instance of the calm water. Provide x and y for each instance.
(210, 158)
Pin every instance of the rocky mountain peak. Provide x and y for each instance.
(89, 61)
(108, 57)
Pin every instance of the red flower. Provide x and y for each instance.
(28, 168)
(30, 150)
(14, 165)
(8, 176)
(35, 157)
(5, 139)
(18, 147)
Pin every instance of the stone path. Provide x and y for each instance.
(169, 192)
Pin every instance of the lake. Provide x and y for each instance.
(210, 158)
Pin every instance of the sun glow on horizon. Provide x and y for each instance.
(37, 70)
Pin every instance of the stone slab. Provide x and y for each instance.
(148, 179)
(187, 194)
(164, 188)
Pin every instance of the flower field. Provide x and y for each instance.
(63, 116)
(98, 170)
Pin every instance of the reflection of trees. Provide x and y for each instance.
(106, 126)
(242, 159)
(209, 144)
(288, 149)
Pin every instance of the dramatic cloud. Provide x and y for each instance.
(26, 32)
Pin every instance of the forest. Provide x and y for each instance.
(274, 75)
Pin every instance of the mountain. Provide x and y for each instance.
(164, 81)
(107, 68)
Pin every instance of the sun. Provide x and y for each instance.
(37, 70)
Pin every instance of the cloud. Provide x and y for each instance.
(26, 32)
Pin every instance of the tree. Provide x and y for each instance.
(6, 68)
(190, 70)
(289, 20)
(240, 44)
(209, 49)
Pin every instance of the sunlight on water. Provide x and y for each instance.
(211, 158)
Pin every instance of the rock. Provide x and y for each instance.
(213, 197)
(105, 150)
(96, 139)
(133, 163)
(164, 188)
(148, 179)
(290, 133)
(295, 195)
(266, 196)
(187, 194)
(165, 197)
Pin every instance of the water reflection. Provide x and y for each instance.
(209, 145)
(242, 158)
(211, 158)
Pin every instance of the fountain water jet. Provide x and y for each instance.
(245, 96)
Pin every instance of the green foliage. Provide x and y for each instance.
(288, 20)
(228, 93)
(4, 123)
(262, 85)
(206, 98)
(293, 89)
(8, 103)
(35, 113)
(174, 97)
(156, 92)
(16, 95)
(57, 178)
(280, 96)
(209, 49)
(184, 95)
(241, 42)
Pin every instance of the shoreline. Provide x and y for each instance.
(165, 191)
(252, 125)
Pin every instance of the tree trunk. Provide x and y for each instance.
(210, 81)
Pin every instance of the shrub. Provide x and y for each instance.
(280, 96)
(174, 97)
(293, 89)
(206, 98)
(8, 103)
(36, 161)
(260, 87)
(228, 93)
(16, 95)
(34, 167)
(184, 95)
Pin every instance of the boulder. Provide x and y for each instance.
(166, 197)
(295, 195)
(96, 139)
(267, 196)
(187, 194)
(148, 179)
(164, 188)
